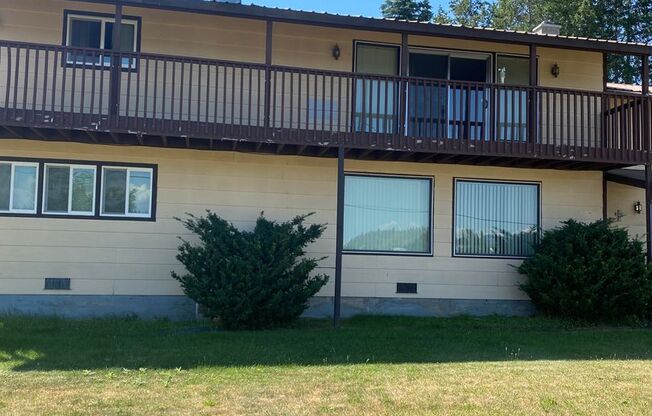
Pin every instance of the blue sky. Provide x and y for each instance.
(354, 7)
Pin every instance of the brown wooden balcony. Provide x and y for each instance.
(50, 92)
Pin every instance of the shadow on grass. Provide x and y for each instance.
(28, 344)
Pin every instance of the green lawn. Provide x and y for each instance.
(371, 366)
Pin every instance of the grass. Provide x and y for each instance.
(371, 366)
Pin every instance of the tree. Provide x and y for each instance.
(624, 20)
(420, 11)
(472, 13)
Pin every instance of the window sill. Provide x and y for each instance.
(387, 253)
(76, 217)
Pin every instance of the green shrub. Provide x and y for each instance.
(592, 272)
(250, 280)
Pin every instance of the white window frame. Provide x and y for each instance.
(71, 168)
(103, 20)
(12, 179)
(126, 213)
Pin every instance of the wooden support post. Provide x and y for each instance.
(268, 74)
(339, 238)
(605, 198)
(116, 62)
(647, 110)
(648, 210)
(645, 74)
(645, 91)
(532, 105)
(605, 71)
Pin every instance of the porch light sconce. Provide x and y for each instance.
(336, 52)
(638, 207)
(555, 70)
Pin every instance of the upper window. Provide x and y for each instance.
(513, 70)
(126, 192)
(69, 189)
(496, 218)
(96, 32)
(18, 187)
(376, 100)
(387, 214)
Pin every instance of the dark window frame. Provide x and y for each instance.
(357, 43)
(454, 253)
(98, 186)
(100, 65)
(431, 209)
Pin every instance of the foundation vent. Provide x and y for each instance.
(406, 288)
(57, 283)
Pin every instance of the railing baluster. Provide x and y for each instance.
(8, 82)
(46, 72)
(127, 109)
(37, 53)
(16, 81)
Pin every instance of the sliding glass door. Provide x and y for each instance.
(468, 100)
(440, 109)
(427, 99)
(446, 96)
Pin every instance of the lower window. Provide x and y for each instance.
(387, 214)
(63, 188)
(69, 189)
(126, 191)
(496, 218)
(18, 187)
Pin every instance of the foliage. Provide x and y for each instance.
(472, 13)
(251, 279)
(590, 271)
(625, 20)
(414, 10)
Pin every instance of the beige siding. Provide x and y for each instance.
(578, 70)
(621, 199)
(209, 36)
(121, 257)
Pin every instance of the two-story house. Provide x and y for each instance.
(433, 152)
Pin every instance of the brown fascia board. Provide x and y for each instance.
(384, 25)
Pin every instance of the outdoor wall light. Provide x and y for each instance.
(555, 70)
(336, 52)
(638, 207)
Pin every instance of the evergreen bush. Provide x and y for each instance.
(592, 272)
(250, 280)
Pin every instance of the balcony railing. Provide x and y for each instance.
(48, 86)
